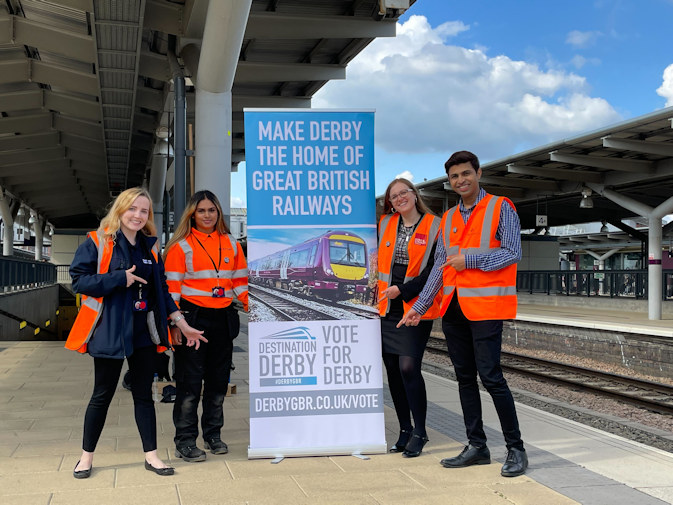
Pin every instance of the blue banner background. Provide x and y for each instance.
(310, 167)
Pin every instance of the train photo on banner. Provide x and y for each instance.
(332, 265)
(324, 271)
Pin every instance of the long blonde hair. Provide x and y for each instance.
(186, 223)
(421, 206)
(111, 223)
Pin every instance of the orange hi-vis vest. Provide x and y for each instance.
(483, 295)
(192, 272)
(419, 249)
(92, 307)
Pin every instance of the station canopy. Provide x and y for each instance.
(633, 158)
(85, 85)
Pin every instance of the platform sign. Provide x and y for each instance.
(314, 335)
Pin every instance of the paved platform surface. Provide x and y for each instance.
(44, 390)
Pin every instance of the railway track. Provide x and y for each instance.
(650, 395)
(287, 309)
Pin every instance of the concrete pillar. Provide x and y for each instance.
(38, 224)
(157, 182)
(213, 146)
(8, 222)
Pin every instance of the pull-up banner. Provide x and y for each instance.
(314, 333)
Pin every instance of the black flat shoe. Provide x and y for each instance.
(415, 446)
(169, 470)
(402, 440)
(81, 474)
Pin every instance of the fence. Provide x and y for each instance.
(607, 283)
(17, 273)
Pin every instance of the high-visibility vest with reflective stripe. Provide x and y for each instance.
(419, 248)
(92, 307)
(482, 295)
(194, 278)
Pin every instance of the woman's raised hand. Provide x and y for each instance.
(130, 278)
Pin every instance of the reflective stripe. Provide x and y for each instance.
(385, 277)
(233, 244)
(92, 303)
(452, 250)
(189, 255)
(201, 274)
(186, 291)
(239, 290)
(174, 276)
(490, 291)
(448, 290)
(176, 297)
(480, 250)
(434, 230)
(242, 272)
(488, 222)
(447, 229)
(383, 226)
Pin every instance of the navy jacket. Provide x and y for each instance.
(113, 336)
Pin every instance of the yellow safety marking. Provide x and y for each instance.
(58, 312)
(37, 330)
(22, 325)
(47, 322)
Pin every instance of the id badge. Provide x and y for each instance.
(140, 306)
(218, 292)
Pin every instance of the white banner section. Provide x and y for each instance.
(317, 388)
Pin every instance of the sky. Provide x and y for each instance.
(498, 77)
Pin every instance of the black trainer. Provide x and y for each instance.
(190, 453)
(216, 446)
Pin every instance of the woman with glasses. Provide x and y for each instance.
(407, 234)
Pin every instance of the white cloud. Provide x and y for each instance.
(666, 89)
(406, 175)
(235, 202)
(430, 96)
(582, 39)
(578, 61)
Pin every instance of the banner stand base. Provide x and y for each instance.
(278, 453)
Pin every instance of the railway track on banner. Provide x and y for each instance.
(287, 309)
(651, 395)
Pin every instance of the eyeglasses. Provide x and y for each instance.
(404, 192)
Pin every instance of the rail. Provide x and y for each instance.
(17, 274)
(604, 283)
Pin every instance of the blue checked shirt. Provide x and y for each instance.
(509, 235)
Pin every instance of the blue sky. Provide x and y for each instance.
(501, 77)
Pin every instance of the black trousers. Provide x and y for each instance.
(107, 371)
(474, 348)
(208, 367)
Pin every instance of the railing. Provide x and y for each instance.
(607, 283)
(16, 273)
(63, 274)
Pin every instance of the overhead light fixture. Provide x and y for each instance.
(32, 219)
(586, 202)
(604, 228)
(20, 212)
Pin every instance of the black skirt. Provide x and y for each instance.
(405, 340)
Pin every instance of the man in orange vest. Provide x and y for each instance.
(475, 263)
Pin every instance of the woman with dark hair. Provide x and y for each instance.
(206, 272)
(407, 234)
(124, 314)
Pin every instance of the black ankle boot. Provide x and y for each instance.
(415, 446)
(402, 440)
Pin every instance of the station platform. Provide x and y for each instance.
(44, 390)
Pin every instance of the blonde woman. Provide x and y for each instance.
(206, 272)
(124, 315)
